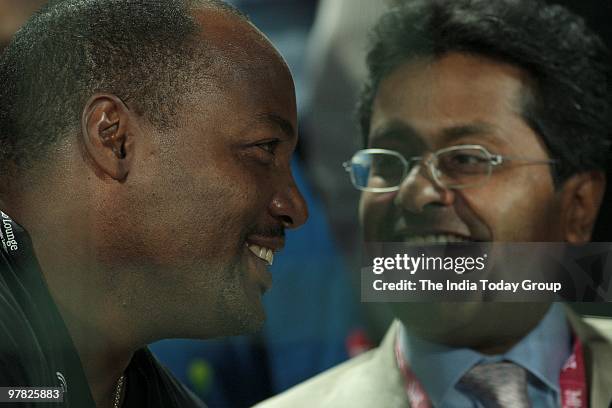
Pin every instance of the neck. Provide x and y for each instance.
(97, 321)
(104, 359)
(94, 303)
(497, 348)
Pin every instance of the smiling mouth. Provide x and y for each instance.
(436, 239)
(262, 253)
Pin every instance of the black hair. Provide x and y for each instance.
(567, 64)
(143, 51)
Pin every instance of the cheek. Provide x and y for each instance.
(520, 209)
(375, 212)
(200, 217)
(221, 211)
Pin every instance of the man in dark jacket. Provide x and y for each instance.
(145, 186)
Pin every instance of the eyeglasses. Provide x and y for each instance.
(456, 167)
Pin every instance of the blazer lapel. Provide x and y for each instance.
(386, 373)
(598, 356)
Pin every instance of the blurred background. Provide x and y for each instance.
(315, 319)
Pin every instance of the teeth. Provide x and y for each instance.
(436, 239)
(264, 253)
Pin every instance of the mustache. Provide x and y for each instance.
(277, 231)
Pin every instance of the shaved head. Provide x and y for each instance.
(148, 53)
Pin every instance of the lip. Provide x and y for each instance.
(259, 271)
(262, 273)
(402, 235)
(274, 243)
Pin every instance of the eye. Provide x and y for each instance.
(386, 165)
(466, 159)
(269, 146)
(464, 162)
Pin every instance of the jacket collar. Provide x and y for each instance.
(597, 348)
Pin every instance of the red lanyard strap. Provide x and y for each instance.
(572, 380)
(414, 390)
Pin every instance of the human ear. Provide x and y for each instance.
(108, 133)
(581, 197)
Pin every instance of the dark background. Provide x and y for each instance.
(597, 13)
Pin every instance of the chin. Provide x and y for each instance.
(235, 305)
(250, 317)
(227, 324)
(253, 325)
(242, 316)
(437, 322)
(242, 325)
(470, 324)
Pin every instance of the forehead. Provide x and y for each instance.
(456, 95)
(245, 78)
(239, 50)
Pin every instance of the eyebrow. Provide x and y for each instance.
(485, 130)
(395, 131)
(398, 131)
(279, 121)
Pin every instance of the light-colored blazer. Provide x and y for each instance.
(374, 380)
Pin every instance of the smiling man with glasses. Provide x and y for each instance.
(483, 120)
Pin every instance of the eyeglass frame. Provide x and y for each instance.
(494, 161)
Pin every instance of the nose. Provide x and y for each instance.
(420, 191)
(288, 205)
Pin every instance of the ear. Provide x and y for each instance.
(108, 133)
(581, 197)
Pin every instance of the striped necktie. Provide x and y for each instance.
(497, 385)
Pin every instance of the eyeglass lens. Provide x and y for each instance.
(377, 170)
(454, 168)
